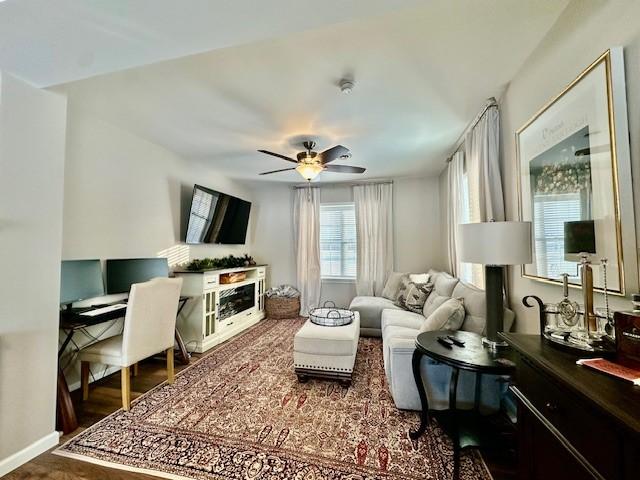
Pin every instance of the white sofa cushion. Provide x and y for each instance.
(448, 316)
(392, 287)
(443, 283)
(419, 277)
(370, 309)
(401, 318)
(475, 305)
(433, 302)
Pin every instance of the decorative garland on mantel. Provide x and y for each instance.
(230, 261)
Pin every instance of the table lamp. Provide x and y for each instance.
(494, 245)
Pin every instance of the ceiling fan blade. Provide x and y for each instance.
(333, 153)
(284, 157)
(276, 171)
(344, 169)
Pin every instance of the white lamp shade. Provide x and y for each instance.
(495, 243)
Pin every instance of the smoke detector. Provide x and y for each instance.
(346, 85)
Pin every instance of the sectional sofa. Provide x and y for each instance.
(399, 328)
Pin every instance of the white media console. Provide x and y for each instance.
(217, 311)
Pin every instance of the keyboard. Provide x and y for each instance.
(102, 310)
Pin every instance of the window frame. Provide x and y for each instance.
(339, 278)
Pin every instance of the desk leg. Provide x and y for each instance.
(453, 407)
(65, 413)
(185, 357)
(184, 354)
(424, 414)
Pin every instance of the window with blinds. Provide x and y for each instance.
(338, 241)
(551, 211)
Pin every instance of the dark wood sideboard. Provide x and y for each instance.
(573, 423)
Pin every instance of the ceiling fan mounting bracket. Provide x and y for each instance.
(309, 145)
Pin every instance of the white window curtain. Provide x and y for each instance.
(483, 179)
(455, 208)
(482, 154)
(374, 228)
(306, 221)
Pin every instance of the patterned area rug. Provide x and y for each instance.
(239, 413)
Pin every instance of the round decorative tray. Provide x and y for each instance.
(330, 316)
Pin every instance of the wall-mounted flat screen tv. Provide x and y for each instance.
(216, 217)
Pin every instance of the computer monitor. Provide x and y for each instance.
(79, 280)
(122, 273)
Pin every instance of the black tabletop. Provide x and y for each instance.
(473, 356)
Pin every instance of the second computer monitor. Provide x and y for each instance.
(122, 273)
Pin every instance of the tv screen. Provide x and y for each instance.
(216, 217)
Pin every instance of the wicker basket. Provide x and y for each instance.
(282, 307)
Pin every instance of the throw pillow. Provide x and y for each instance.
(413, 295)
(448, 316)
(419, 277)
(392, 287)
(433, 302)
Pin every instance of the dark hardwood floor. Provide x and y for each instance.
(104, 399)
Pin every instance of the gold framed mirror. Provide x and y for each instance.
(574, 168)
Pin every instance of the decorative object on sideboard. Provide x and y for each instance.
(574, 164)
(558, 334)
(495, 244)
(567, 309)
(580, 242)
(635, 301)
(231, 261)
(331, 316)
(628, 337)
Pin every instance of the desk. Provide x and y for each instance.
(72, 321)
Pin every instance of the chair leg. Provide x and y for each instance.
(126, 388)
(84, 379)
(134, 369)
(170, 371)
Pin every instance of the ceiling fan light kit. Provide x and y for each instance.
(309, 171)
(310, 163)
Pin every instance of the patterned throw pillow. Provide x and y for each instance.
(413, 295)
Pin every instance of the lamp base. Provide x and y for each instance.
(493, 345)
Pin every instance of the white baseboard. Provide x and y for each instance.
(95, 377)
(23, 456)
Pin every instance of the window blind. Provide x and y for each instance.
(338, 240)
(551, 211)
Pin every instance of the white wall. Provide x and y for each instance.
(127, 197)
(584, 31)
(32, 133)
(417, 241)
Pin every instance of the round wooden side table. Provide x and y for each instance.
(472, 357)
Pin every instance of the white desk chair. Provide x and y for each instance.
(149, 328)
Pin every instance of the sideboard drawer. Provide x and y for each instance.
(209, 281)
(588, 431)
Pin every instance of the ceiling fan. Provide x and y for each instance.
(311, 163)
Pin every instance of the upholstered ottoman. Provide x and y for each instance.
(328, 352)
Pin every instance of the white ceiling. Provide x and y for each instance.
(48, 42)
(421, 74)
